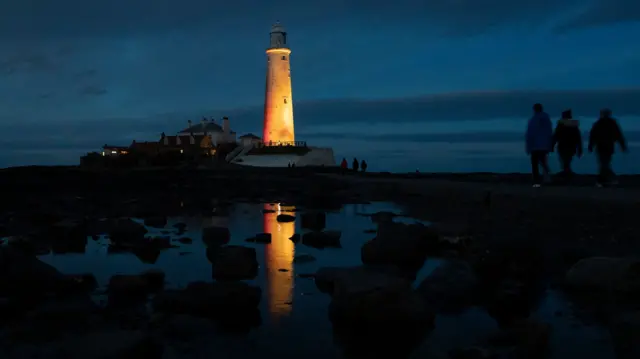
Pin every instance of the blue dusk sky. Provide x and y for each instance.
(76, 74)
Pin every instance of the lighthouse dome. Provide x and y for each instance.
(277, 27)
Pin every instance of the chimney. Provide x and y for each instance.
(225, 125)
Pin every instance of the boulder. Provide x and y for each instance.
(116, 344)
(383, 216)
(285, 218)
(625, 332)
(216, 236)
(322, 240)
(295, 238)
(402, 245)
(156, 222)
(183, 327)
(235, 263)
(127, 289)
(345, 279)
(450, 286)
(25, 276)
(369, 307)
(126, 231)
(604, 274)
(314, 220)
(227, 302)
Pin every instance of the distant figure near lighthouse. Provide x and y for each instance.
(278, 104)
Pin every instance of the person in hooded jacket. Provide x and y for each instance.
(355, 165)
(538, 140)
(343, 166)
(568, 140)
(604, 134)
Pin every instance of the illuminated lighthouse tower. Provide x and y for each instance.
(278, 105)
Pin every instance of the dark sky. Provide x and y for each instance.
(115, 66)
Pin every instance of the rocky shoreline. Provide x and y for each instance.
(502, 246)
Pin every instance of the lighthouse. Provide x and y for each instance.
(278, 104)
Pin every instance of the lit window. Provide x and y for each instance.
(114, 151)
(103, 153)
(181, 151)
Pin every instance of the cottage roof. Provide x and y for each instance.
(115, 147)
(250, 135)
(145, 146)
(208, 126)
(172, 141)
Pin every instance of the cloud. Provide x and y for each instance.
(604, 12)
(79, 18)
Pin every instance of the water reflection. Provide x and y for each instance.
(279, 261)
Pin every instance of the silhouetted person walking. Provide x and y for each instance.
(363, 165)
(355, 165)
(538, 143)
(603, 137)
(568, 139)
(343, 166)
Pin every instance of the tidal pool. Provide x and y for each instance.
(294, 312)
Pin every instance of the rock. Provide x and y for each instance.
(126, 231)
(402, 245)
(368, 307)
(303, 258)
(314, 220)
(295, 238)
(216, 236)
(528, 338)
(473, 352)
(68, 236)
(285, 218)
(180, 226)
(117, 344)
(230, 303)
(383, 216)
(156, 222)
(185, 240)
(322, 240)
(511, 302)
(127, 289)
(184, 327)
(260, 238)
(604, 274)
(345, 279)
(23, 275)
(64, 312)
(450, 286)
(235, 263)
(625, 332)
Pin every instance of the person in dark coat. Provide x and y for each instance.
(343, 165)
(604, 134)
(538, 140)
(355, 164)
(363, 165)
(568, 140)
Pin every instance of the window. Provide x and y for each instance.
(284, 58)
(285, 101)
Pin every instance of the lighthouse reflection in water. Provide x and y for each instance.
(279, 260)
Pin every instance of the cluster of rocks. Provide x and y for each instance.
(378, 300)
(47, 313)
